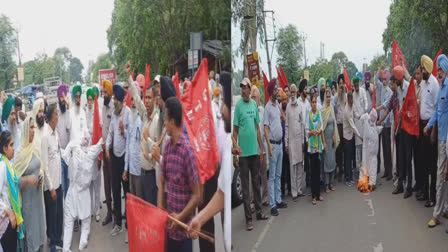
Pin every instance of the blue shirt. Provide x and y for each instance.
(441, 115)
(132, 161)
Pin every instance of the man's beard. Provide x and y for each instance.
(322, 95)
(293, 99)
(40, 121)
(284, 106)
(106, 100)
(62, 107)
(426, 77)
(117, 108)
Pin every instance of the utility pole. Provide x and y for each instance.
(304, 49)
(266, 40)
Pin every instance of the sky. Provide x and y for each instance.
(45, 25)
(352, 26)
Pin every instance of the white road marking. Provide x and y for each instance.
(378, 248)
(263, 234)
(370, 203)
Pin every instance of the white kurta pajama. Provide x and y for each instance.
(360, 104)
(95, 185)
(294, 138)
(77, 202)
(370, 133)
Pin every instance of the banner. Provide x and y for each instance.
(410, 113)
(397, 56)
(253, 68)
(146, 225)
(198, 119)
(176, 84)
(107, 74)
(266, 93)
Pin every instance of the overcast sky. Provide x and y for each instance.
(45, 25)
(352, 26)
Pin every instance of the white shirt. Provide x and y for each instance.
(51, 158)
(359, 103)
(348, 124)
(429, 91)
(401, 93)
(4, 196)
(79, 123)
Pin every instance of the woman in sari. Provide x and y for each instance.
(28, 164)
(316, 145)
(331, 138)
(10, 201)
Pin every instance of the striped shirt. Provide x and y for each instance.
(180, 173)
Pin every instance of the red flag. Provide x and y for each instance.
(176, 84)
(434, 69)
(409, 112)
(347, 80)
(97, 131)
(198, 119)
(374, 97)
(128, 100)
(266, 93)
(133, 72)
(280, 78)
(397, 56)
(284, 76)
(146, 225)
(147, 76)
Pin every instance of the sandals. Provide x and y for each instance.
(433, 222)
(261, 216)
(314, 201)
(249, 226)
(332, 188)
(321, 198)
(327, 190)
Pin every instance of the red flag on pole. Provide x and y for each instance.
(176, 84)
(266, 93)
(434, 69)
(409, 112)
(133, 72)
(97, 131)
(280, 78)
(146, 225)
(284, 76)
(347, 80)
(128, 100)
(397, 56)
(198, 119)
(147, 76)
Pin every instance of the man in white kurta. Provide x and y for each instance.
(359, 108)
(294, 129)
(78, 116)
(80, 159)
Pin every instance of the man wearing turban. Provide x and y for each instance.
(78, 116)
(369, 90)
(441, 118)
(360, 106)
(106, 117)
(321, 86)
(340, 99)
(64, 128)
(9, 121)
(116, 140)
(39, 119)
(425, 153)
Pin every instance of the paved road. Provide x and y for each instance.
(346, 220)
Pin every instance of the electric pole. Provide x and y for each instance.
(304, 49)
(267, 41)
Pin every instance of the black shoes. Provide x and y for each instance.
(274, 211)
(282, 205)
(398, 190)
(407, 194)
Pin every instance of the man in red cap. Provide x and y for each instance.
(402, 138)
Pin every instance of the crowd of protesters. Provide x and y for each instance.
(316, 136)
(50, 167)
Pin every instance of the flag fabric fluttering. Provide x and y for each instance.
(397, 56)
(409, 112)
(128, 100)
(145, 234)
(265, 84)
(284, 76)
(176, 84)
(97, 130)
(280, 79)
(198, 119)
(347, 80)
(434, 69)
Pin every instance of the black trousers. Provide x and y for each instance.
(250, 165)
(315, 175)
(54, 216)
(306, 165)
(179, 246)
(387, 152)
(209, 190)
(340, 153)
(427, 164)
(9, 239)
(405, 155)
(117, 181)
(149, 186)
(286, 174)
(349, 156)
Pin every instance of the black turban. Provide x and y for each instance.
(341, 76)
(167, 89)
(119, 92)
(302, 85)
(226, 82)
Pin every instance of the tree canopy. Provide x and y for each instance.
(290, 52)
(8, 47)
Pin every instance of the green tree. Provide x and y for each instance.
(102, 62)
(419, 27)
(37, 70)
(290, 52)
(62, 57)
(75, 70)
(8, 47)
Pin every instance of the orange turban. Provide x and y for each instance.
(107, 86)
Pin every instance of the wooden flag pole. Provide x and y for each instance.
(185, 226)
